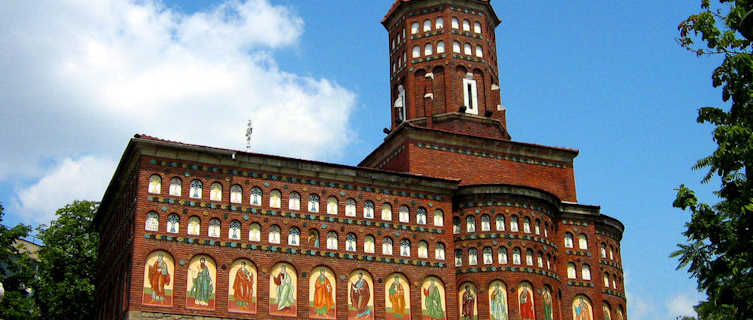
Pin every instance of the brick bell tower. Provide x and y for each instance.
(443, 66)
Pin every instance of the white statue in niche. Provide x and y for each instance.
(400, 103)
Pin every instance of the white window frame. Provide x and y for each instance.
(470, 101)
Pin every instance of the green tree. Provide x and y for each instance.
(64, 286)
(16, 274)
(718, 251)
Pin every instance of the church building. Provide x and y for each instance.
(449, 218)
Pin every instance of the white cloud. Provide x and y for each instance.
(80, 79)
(637, 305)
(80, 179)
(681, 304)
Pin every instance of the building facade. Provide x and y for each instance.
(448, 218)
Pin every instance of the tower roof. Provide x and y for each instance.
(398, 3)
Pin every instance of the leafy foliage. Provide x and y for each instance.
(719, 247)
(15, 274)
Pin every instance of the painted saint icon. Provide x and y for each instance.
(498, 300)
(467, 302)
(548, 313)
(525, 302)
(201, 283)
(582, 309)
(158, 284)
(397, 298)
(242, 290)
(433, 307)
(360, 298)
(282, 293)
(321, 293)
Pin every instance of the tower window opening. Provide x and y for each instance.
(470, 96)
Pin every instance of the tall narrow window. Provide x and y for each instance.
(514, 223)
(294, 202)
(604, 250)
(477, 27)
(485, 223)
(529, 257)
(275, 198)
(368, 210)
(472, 256)
(458, 257)
(155, 184)
(479, 51)
(152, 222)
(438, 218)
(439, 251)
(387, 246)
(502, 255)
(194, 226)
(404, 214)
(611, 254)
(416, 52)
(537, 227)
(332, 240)
(274, 234)
(236, 194)
(173, 223)
(614, 281)
(455, 23)
(195, 189)
(466, 25)
(421, 215)
(332, 205)
(546, 229)
(350, 242)
(582, 242)
(456, 47)
(235, 230)
(568, 240)
(439, 24)
(470, 224)
(368, 244)
(571, 271)
(488, 255)
(427, 25)
(440, 47)
(540, 260)
(294, 236)
(586, 272)
(405, 248)
(414, 28)
(467, 49)
(386, 212)
(428, 50)
(314, 203)
(455, 225)
(606, 280)
(175, 187)
(215, 192)
(470, 96)
(256, 196)
(214, 228)
(350, 207)
(516, 256)
(254, 232)
(500, 222)
(527, 225)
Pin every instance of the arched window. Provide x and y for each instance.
(274, 234)
(254, 232)
(488, 259)
(439, 24)
(332, 240)
(439, 251)
(423, 249)
(438, 218)
(386, 212)
(235, 230)
(458, 257)
(275, 199)
(546, 228)
(194, 226)
(314, 202)
(477, 27)
(350, 242)
(568, 240)
(614, 281)
(294, 202)
(404, 214)
(611, 255)
(428, 50)
(440, 47)
(540, 260)
(516, 256)
(414, 28)
(571, 270)
(582, 242)
(155, 184)
(368, 210)
(456, 47)
(421, 215)
(455, 23)
(368, 244)
(606, 280)
(455, 225)
(466, 25)
(173, 223)
(195, 189)
(585, 272)
(527, 225)
(214, 228)
(467, 49)
(479, 51)
(427, 25)
(514, 223)
(472, 256)
(485, 223)
(256, 196)
(313, 238)
(529, 257)
(416, 52)
(236, 194)
(405, 248)
(176, 185)
(294, 236)
(500, 222)
(387, 246)
(537, 227)
(502, 255)
(470, 224)
(603, 250)
(215, 192)
(350, 207)
(152, 221)
(332, 205)
(548, 261)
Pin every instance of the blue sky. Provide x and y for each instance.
(606, 78)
